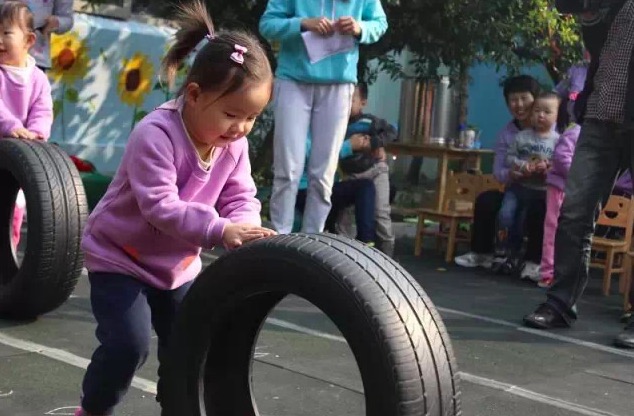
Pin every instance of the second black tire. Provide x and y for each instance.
(396, 335)
(57, 210)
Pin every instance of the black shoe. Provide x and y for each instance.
(626, 338)
(546, 317)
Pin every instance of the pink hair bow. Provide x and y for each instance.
(238, 55)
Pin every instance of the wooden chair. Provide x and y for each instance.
(627, 281)
(460, 194)
(617, 213)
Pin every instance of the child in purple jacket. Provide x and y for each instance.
(184, 183)
(555, 182)
(26, 105)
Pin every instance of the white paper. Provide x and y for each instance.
(320, 47)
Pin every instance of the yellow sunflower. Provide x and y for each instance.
(69, 56)
(135, 79)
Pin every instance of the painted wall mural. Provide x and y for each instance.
(105, 79)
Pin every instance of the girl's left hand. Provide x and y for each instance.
(347, 25)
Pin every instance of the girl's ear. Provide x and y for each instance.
(191, 93)
(31, 37)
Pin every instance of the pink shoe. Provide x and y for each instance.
(545, 282)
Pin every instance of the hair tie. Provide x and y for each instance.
(209, 37)
(238, 55)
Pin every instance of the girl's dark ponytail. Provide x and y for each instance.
(195, 25)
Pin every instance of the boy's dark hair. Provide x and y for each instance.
(519, 84)
(548, 95)
(363, 90)
(16, 12)
(213, 69)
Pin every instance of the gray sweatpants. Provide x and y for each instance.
(380, 175)
(323, 110)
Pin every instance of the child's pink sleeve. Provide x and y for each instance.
(152, 175)
(40, 118)
(8, 123)
(237, 200)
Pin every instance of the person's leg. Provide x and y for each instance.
(328, 128)
(361, 194)
(595, 164)
(507, 219)
(292, 106)
(343, 196)
(485, 213)
(364, 210)
(380, 175)
(554, 199)
(534, 229)
(382, 210)
(120, 307)
(164, 305)
(18, 217)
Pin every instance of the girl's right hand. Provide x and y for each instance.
(23, 133)
(235, 235)
(319, 25)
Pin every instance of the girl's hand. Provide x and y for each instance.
(23, 133)
(348, 26)
(319, 25)
(235, 235)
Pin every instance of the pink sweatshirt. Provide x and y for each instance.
(25, 102)
(162, 206)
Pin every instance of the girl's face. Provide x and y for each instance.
(214, 121)
(520, 105)
(15, 43)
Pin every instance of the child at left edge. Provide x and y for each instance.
(26, 105)
(184, 183)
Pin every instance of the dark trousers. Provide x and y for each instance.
(485, 214)
(512, 216)
(357, 192)
(126, 310)
(602, 152)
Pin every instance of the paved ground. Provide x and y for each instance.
(302, 366)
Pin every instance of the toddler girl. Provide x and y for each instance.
(26, 105)
(184, 183)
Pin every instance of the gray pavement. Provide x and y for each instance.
(302, 367)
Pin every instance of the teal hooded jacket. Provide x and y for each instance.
(281, 22)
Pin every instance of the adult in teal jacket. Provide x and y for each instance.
(313, 94)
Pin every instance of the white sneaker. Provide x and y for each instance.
(472, 259)
(530, 271)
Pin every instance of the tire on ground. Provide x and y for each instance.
(397, 337)
(57, 210)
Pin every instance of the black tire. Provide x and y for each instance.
(398, 339)
(57, 210)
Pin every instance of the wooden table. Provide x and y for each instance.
(444, 154)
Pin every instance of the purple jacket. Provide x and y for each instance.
(562, 157)
(506, 137)
(25, 103)
(162, 206)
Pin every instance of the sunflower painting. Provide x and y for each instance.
(135, 82)
(69, 58)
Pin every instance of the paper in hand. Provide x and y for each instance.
(320, 47)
